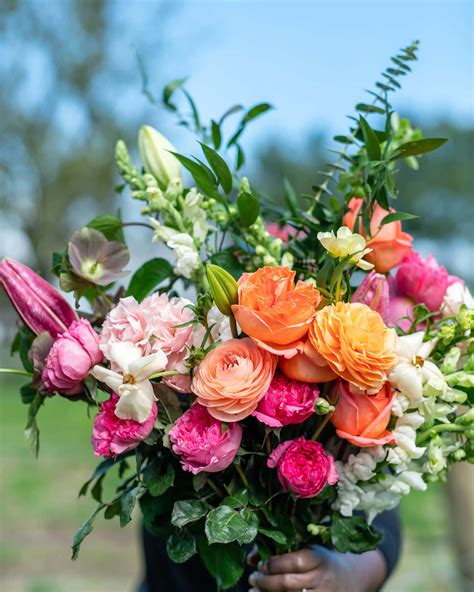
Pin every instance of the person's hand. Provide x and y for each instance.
(318, 569)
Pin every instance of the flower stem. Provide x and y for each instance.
(165, 373)
(442, 427)
(233, 326)
(242, 475)
(321, 426)
(14, 371)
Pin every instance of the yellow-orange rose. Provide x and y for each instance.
(355, 342)
(232, 379)
(275, 312)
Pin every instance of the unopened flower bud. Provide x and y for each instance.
(223, 287)
(155, 153)
(322, 407)
(459, 455)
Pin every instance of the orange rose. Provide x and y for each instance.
(363, 419)
(307, 366)
(389, 243)
(274, 312)
(355, 342)
(232, 379)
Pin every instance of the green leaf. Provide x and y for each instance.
(28, 393)
(224, 525)
(112, 510)
(394, 216)
(219, 166)
(249, 209)
(128, 500)
(100, 470)
(81, 533)
(353, 535)
(157, 482)
(369, 108)
(22, 345)
(31, 428)
(418, 147)
(225, 563)
(238, 499)
(156, 513)
(216, 134)
(251, 519)
(110, 226)
(186, 511)
(275, 535)
(169, 90)
(256, 111)
(370, 140)
(194, 110)
(231, 111)
(149, 276)
(181, 546)
(291, 197)
(96, 491)
(203, 176)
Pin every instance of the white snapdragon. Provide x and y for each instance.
(182, 244)
(406, 449)
(456, 295)
(194, 214)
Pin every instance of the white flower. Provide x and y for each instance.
(346, 244)
(219, 323)
(456, 295)
(155, 153)
(412, 369)
(161, 233)
(404, 433)
(183, 246)
(132, 385)
(194, 213)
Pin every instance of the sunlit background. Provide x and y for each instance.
(70, 86)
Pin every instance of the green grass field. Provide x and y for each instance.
(40, 511)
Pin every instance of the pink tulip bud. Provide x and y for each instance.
(40, 306)
(375, 293)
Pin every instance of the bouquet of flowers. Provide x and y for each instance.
(320, 370)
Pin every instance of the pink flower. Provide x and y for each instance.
(71, 358)
(286, 402)
(204, 443)
(113, 436)
(424, 280)
(304, 468)
(282, 232)
(375, 293)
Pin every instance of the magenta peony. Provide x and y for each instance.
(113, 436)
(375, 293)
(71, 358)
(286, 402)
(304, 468)
(202, 443)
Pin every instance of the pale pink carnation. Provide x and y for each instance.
(304, 468)
(286, 402)
(204, 443)
(113, 436)
(71, 358)
(127, 321)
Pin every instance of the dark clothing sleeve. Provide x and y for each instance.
(162, 575)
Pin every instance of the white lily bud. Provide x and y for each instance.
(155, 153)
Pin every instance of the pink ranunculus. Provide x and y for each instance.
(71, 358)
(202, 443)
(423, 280)
(113, 436)
(304, 468)
(286, 402)
(375, 293)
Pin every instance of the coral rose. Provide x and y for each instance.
(355, 342)
(201, 443)
(113, 436)
(232, 379)
(304, 468)
(389, 243)
(71, 358)
(307, 365)
(286, 402)
(273, 311)
(362, 419)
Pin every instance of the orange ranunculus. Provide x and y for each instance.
(307, 366)
(355, 342)
(232, 379)
(389, 243)
(362, 419)
(275, 312)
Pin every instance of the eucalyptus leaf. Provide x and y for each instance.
(370, 140)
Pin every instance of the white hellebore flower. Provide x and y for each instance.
(132, 385)
(346, 244)
(412, 369)
(155, 153)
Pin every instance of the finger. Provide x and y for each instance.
(252, 557)
(283, 582)
(299, 562)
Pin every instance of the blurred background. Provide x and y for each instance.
(70, 86)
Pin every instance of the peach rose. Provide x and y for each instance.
(363, 419)
(389, 243)
(232, 379)
(307, 366)
(355, 342)
(275, 312)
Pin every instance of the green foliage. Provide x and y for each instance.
(225, 525)
(249, 208)
(186, 511)
(224, 562)
(110, 226)
(353, 535)
(181, 546)
(149, 276)
(158, 477)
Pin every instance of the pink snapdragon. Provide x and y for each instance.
(204, 443)
(304, 468)
(113, 436)
(71, 358)
(286, 402)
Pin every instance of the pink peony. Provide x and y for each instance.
(286, 402)
(424, 280)
(304, 468)
(202, 442)
(71, 358)
(113, 436)
(375, 293)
